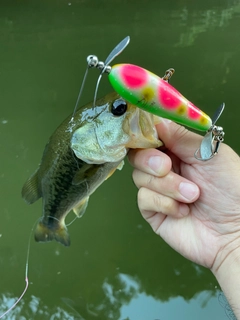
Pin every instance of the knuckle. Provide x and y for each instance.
(153, 201)
(180, 133)
(141, 197)
(157, 202)
(142, 179)
(162, 204)
(150, 180)
(137, 178)
(168, 206)
(134, 175)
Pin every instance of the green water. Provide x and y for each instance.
(115, 268)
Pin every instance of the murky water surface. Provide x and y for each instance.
(115, 268)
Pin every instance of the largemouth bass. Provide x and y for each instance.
(80, 155)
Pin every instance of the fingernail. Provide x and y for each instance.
(155, 163)
(188, 190)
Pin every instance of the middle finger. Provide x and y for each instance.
(172, 185)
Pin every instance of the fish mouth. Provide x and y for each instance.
(140, 126)
(108, 138)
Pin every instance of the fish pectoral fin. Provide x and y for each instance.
(85, 172)
(119, 167)
(81, 207)
(30, 190)
(80, 176)
(44, 234)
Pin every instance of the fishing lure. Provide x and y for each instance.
(155, 95)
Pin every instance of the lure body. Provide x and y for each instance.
(155, 95)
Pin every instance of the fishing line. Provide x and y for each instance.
(59, 221)
(80, 93)
(27, 265)
(26, 275)
(67, 225)
(97, 85)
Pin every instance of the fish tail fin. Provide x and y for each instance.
(44, 234)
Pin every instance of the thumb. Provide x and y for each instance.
(180, 141)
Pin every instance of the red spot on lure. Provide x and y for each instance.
(155, 95)
(134, 77)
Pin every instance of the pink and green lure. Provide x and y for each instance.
(155, 95)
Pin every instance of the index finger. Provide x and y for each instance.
(179, 140)
(150, 161)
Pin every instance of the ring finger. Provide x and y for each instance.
(150, 202)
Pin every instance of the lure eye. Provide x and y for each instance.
(119, 107)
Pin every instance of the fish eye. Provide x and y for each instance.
(119, 107)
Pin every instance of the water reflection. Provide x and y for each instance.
(126, 302)
(203, 20)
(34, 308)
(126, 299)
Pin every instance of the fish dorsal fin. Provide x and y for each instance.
(30, 190)
(81, 207)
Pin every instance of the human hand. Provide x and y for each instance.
(193, 205)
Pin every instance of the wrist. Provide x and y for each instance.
(226, 269)
(228, 256)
